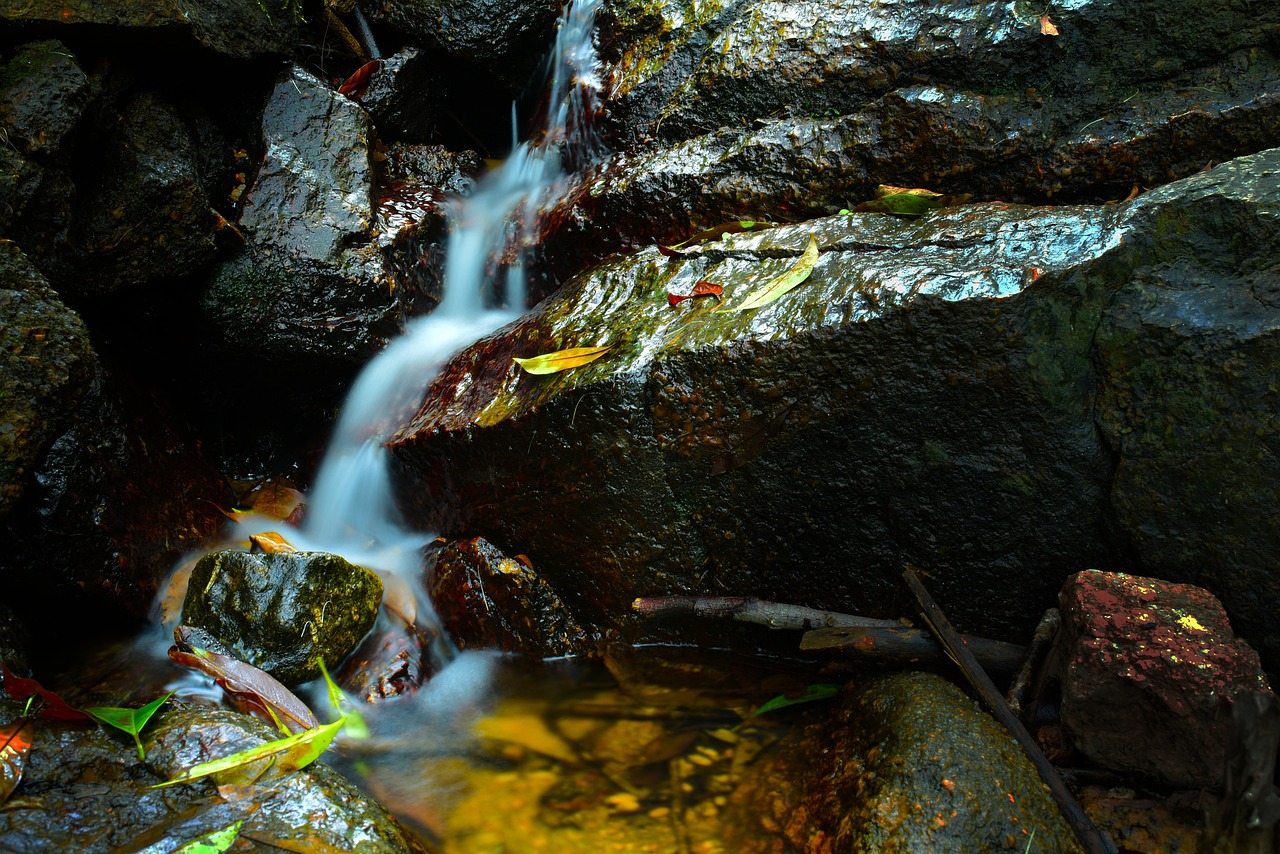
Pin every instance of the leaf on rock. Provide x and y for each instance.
(270, 542)
(782, 284)
(1046, 26)
(274, 500)
(249, 688)
(212, 843)
(130, 720)
(701, 289)
(15, 744)
(561, 360)
(735, 227)
(20, 688)
(291, 753)
(359, 81)
(909, 201)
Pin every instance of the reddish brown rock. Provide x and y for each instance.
(487, 600)
(1151, 669)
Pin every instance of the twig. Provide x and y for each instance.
(747, 610)
(1028, 681)
(1093, 840)
(900, 644)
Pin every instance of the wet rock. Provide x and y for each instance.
(309, 281)
(147, 217)
(48, 365)
(43, 94)
(1150, 672)
(760, 110)
(505, 38)
(907, 763)
(926, 397)
(241, 29)
(405, 96)
(282, 613)
(97, 777)
(486, 600)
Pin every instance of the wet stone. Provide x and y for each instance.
(43, 94)
(283, 612)
(1150, 672)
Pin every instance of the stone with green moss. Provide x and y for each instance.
(283, 612)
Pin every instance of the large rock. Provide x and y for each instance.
(284, 612)
(48, 365)
(237, 28)
(926, 397)
(43, 94)
(1150, 672)
(907, 763)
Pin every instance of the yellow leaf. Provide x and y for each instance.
(289, 754)
(1046, 26)
(271, 543)
(782, 284)
(561, 360)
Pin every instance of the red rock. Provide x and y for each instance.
(1150, 669)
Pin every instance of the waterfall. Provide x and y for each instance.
(351, 509)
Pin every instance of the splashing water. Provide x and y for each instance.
(352, 508)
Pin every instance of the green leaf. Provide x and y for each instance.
(290, 754)
(561, 360)
(212, 843)
(130, 720)
(342, 705)
(819, 691)
(782, 284)
(735, 227)
(902, 204)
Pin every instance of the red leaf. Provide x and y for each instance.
(20, 688)
(701, 289)
(358, 82)
(15, 744)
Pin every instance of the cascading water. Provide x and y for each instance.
(351, 508)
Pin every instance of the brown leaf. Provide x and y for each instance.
(701, 289)
(269, 542)
(1046, 26)
(359, 81)
(15, 744)
(274, 500)
(20, 688)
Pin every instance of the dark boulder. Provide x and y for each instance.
(240, 29)
(284, 612)
(927, 397)
(906, 763)
(43, 94)
(1150, 672)
(486, 600)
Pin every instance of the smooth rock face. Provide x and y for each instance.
(486, 600)
(1150, 672)
(928, 396)
(907, 763)
(283, 612)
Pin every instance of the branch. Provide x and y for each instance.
(747, 610)
(1093, 840)
(908, 646)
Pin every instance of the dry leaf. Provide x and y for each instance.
(782, 284)
(561, 360)
(701, 289)
(1046, 26)
(269, 542)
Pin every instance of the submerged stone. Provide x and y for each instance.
(283, 612)
(907, 763)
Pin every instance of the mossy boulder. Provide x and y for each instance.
(284, 612)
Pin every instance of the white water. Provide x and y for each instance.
(351, 509)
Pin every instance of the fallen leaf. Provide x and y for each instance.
(20, 688)
(212, 843)
(819, 691)
(251, 689)
(561, 360)
(15, 744)
(782, 284)
(269, 542)
(291, 753)
(130, 720)
(359, 81)
(1046, 26)
(274, 500)
(909, 201)
(735, 227)
(701, 289)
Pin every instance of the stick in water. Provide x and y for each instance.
(1093, 840)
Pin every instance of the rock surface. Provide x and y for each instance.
(486, 600)
(928, 396)
(1150, 671)
(907, 763)
(283, 612)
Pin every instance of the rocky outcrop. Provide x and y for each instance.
(1150, 673)
(907, 763)
(283, 612)
(929, 396)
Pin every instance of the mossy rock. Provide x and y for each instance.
(283, 612)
